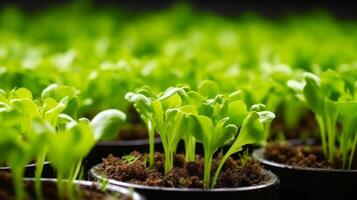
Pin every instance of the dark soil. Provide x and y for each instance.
(50, 191)
(301, 156)
(235, 173)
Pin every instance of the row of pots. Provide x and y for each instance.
(293, 182)
(287, 182)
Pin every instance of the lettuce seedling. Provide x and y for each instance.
(34, 120)
(59, 102)
(142, 101)
(181, 114)
(216, 124)
(58, 93)
(192, 100)
(333, 104)
(251, 132)
(16, 153)
(70, 145)
(31, 128)
(164, 113)
(213, 129)
(20, 117)
(167, 109)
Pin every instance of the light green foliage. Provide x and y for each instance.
(179, 113)
(251, 132)
(163, 113)
(63, 93)
(107, 123)
(142, 101)
(333, 103)
(113, 53)
(237, 69)
(32, 128)
(219, 122)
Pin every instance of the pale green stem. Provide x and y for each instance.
(331, 134)
(170, 154)
(77, 170)
(17, 181)
(320, 122)
(218, 171)
(151, 130)
(167, 151)
(190, 148)
(344, 148)
(38, 174)
(352, 155)
(267, 131)
(207, 170)
(168, 158)
(60, 186)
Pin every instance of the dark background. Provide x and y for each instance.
(267, 8)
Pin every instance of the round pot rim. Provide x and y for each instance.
(274, 180)
(137, 142)
(258, 155)
(111, 188)
(28, 165)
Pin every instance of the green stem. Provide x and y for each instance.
(166, 163)
(343, 149)
(267, 131)
(151, 130)
(17, 173)
(166, 146)
(344, 158)
(70, 189)
(38, 174)
(207, 169)
(169, 157)
(60, 185)
(218, 171)
(352, 155)
(190, 148)
(77, 169)
(331, 134)
(166, 151)
(320, 122)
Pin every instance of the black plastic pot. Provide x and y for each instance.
(117, 148)
(48, 171)
(268, 191)
(311, 183)
(109, 188)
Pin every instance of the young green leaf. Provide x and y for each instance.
(208, 88)
(251, 132)
(106, 124)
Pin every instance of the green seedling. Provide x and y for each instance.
(332, 102)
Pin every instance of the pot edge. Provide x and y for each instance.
(274, 181)
(258, 155)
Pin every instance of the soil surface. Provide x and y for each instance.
(235, 173)
(50, 191)
(301, 156)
